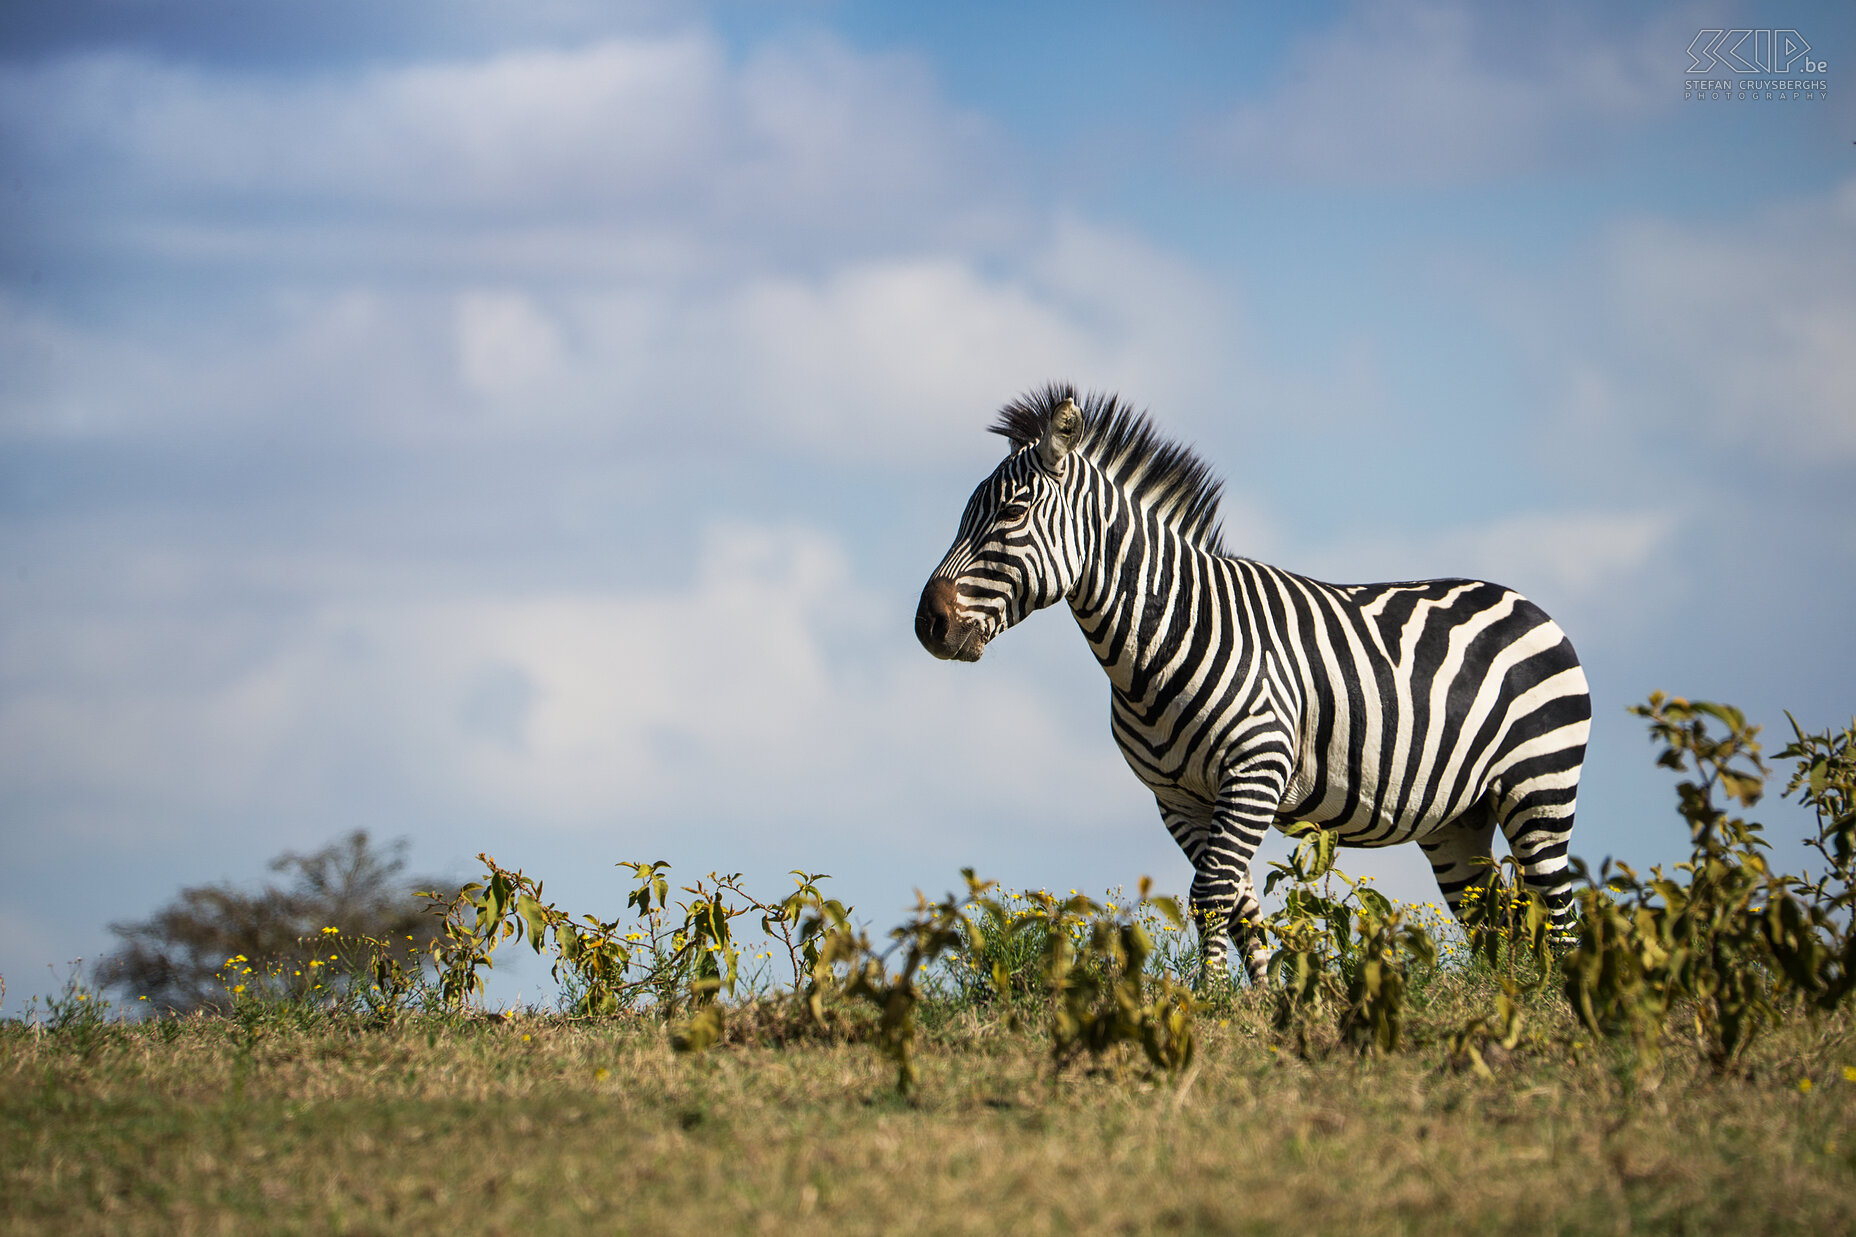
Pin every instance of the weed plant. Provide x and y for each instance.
(1688, 1062)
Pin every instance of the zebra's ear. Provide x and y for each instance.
(1060, 435)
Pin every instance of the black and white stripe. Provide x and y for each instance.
(1246, 697)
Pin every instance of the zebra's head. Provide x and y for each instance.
(1013, 553)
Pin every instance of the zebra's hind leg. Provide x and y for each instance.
(1461, 852)
(1535, 788)
(1539, 831)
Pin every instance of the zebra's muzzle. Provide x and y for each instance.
(942, 628)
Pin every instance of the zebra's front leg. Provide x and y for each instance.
(1190, 823)
(1224, 905)
(1248, 798)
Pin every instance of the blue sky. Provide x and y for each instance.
(527, 428)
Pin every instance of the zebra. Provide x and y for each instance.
(1247, 697)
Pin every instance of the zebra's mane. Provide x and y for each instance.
(1156, 473)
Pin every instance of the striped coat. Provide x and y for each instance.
(1247, 697)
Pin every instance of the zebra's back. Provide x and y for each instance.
(1423, 697)
(1402, 704)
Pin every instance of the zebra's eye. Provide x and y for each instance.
(1013, 511)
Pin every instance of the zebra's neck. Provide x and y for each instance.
(1138, 590)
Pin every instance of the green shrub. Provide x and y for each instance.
(1721, 936)
(1720, 944)
(1096, 968)
(1341, 955)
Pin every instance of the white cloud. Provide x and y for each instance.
(1587, 568)
(1161, 332)
(1664, 338)
(356, 358)
(505, 344)
(1575, 555)
(804, 249)
(880, 358)
(898, 358)
(616, 120)
(44, 362)
(1397, 94)
(625, 153)
(770, 680)
(1747, 332)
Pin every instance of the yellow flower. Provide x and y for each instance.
(238, 989)
(1804, 1086)
(601, 1074)
(1849, 1073)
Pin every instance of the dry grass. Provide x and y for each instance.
(540, 1124)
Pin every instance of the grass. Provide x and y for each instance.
(541, 1123)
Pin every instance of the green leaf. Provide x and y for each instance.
(535, 916)
(700, 1032)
